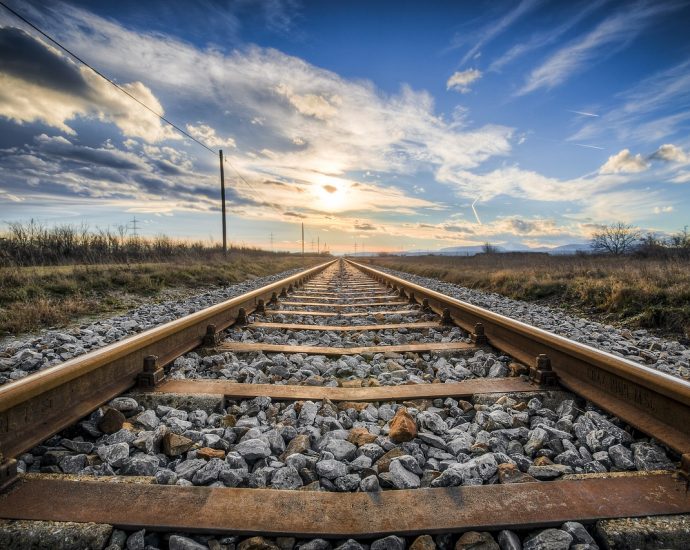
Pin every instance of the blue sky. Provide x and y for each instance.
(390, 124)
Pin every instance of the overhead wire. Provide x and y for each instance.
(131, 96)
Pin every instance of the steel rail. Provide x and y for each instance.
(34, 408)
(649, 400)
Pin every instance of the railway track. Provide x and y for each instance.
(387, 408)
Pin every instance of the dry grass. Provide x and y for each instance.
(634, 292)
(32, 298)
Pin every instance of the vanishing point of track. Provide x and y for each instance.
(346, 299)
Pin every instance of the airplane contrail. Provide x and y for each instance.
(583, 113)
(475, 212)
(588, 146)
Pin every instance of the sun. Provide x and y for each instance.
(331, 197)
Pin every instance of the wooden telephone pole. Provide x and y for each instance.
(222, 198)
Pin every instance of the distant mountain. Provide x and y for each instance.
(511, 247)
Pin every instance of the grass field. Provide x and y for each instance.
(628, 291)
(37, 297)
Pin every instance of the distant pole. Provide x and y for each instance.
(302, 239)
(222, 198)
(318, 244)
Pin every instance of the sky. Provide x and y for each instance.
(392, 125)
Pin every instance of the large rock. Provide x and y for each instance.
(341, 449)
(360, 436)
(298, 444)
(286, 478)
(178, 542)
(401, 477)
(389, 543)
(549, 539)
(402, 426)
(175, 445)
(331, 469)
(423, 542)
(475, 540)
(114, 455)
(253, 449)
(111, 421)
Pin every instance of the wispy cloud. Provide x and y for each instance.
(543, 39)
(654, 109)
(495, 28)
(608, 37)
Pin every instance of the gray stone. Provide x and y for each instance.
(341, 449)
(114, 455)
(315, 544)
(621, 457)
(286, 478)
(507, 540)
(124, 404)
(647, 532)
(140, 465)
(187, 468)
(307, 414)
(369, 484)
(650, 457)
(346, 483)
(178, 542)
(55, 535)
(350, 544)
(389, 543)
(549, 471)
(433, 440)
(165, 476)
(72, 464)
(548, 539)
(209, 472)
(233, 477)
(135, 541)
(148, 420)
(330, 469)
(401, 477)
(253, 449)
(578, 532)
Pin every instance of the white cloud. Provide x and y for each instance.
(612, 34)
(670, 153)
(624, 162)
(48, 87)
(460, 81)
(207, 135)
(662, 209)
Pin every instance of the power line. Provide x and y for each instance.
(109, 80)
(104, 77)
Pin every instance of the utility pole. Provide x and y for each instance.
(222, 198)
(134, 227)
(312, 245)
(302, 240)
(318, 244)
(271, 241)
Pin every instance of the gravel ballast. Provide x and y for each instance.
(667, 356)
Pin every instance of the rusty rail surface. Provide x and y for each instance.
(649, 400)
(34, 408)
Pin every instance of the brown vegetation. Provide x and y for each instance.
(52, 277)
(633, 291)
